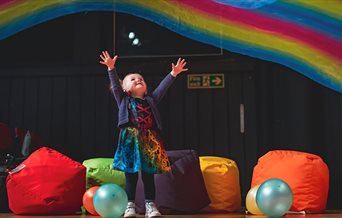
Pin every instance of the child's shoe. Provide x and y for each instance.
(130, 210)
(151, 210)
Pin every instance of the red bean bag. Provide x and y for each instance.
(47, 182)
(306, 174)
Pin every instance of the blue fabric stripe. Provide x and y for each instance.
(304, 17)
(247, 4)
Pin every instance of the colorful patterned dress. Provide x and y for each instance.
(140, 146)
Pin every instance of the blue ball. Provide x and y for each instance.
(110, 200)
(274, 197)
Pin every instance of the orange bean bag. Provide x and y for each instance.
(306, 174)
(221, 177)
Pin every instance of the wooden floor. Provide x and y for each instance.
(328, 214)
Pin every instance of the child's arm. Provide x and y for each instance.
(113, 76)
(160, 91)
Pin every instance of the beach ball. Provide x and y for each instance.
(110, 200)
(274, 197)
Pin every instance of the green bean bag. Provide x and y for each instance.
(99, 172)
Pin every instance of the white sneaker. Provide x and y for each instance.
(151, 210)
(130, 210)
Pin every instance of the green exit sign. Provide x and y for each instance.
(205, 81)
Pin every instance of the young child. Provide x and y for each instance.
(140, 147)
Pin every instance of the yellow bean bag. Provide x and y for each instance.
(221, 177)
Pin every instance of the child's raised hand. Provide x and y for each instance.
(179, 67)
(108, 60)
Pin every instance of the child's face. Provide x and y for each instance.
(135, 84)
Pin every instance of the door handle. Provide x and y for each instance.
(242, 118)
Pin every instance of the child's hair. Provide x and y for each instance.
(121, 81)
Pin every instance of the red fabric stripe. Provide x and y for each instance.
(265, 23)
(9, 3)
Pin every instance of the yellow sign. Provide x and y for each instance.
(205, 81)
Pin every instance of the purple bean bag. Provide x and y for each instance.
(182, 190)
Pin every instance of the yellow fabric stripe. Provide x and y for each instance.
(28, 7)
(24, 8)
(329, 7)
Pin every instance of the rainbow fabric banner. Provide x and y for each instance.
(305, 35)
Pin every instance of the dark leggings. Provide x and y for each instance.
(148, 181)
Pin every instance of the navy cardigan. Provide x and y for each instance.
(152, 99)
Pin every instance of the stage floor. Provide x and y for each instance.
(328, 214)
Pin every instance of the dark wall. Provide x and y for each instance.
(51, 83)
